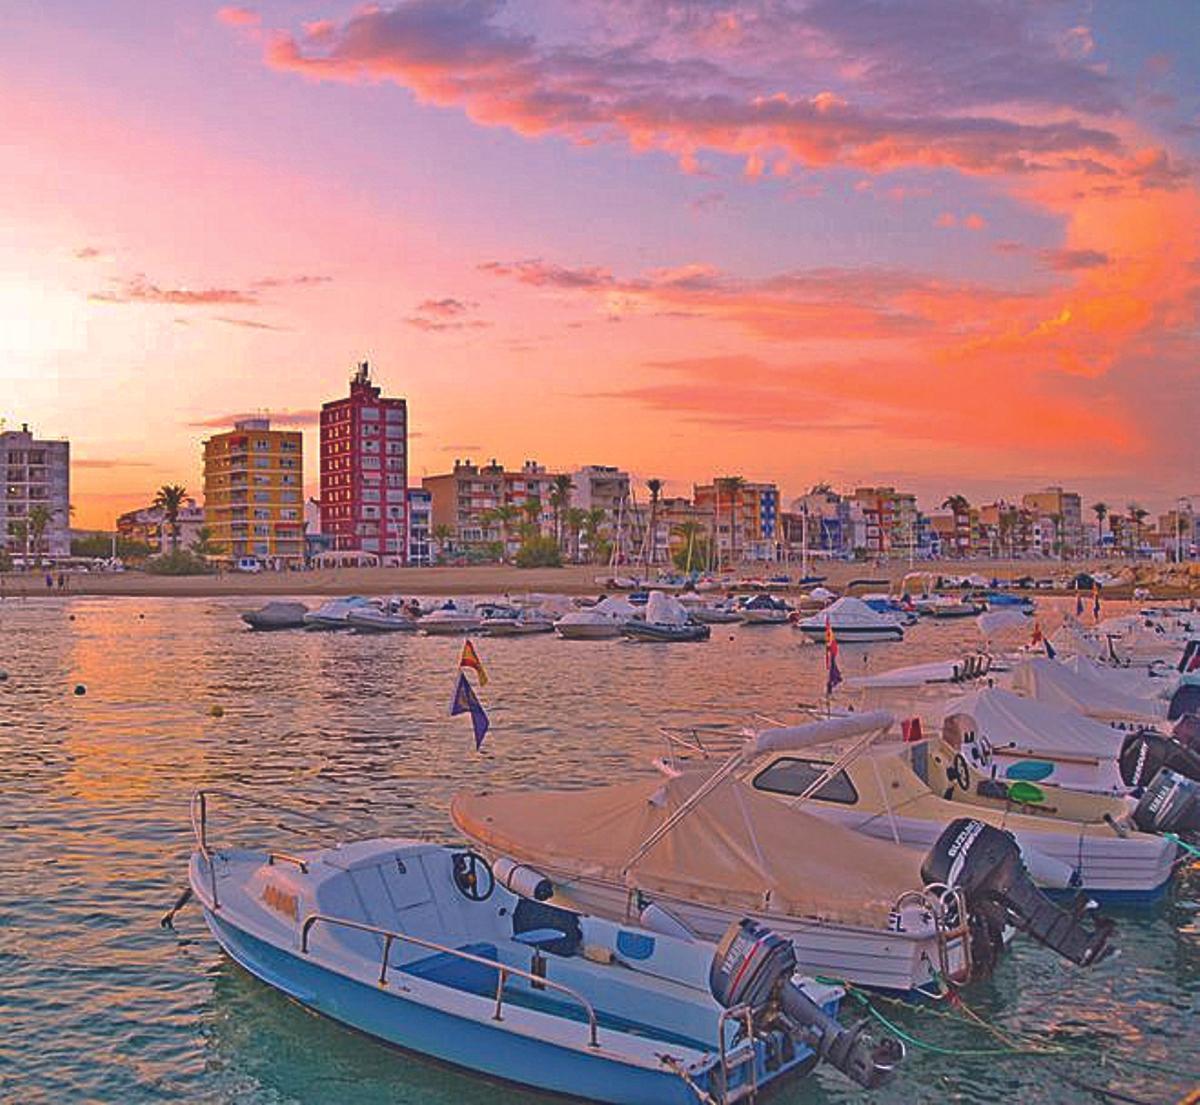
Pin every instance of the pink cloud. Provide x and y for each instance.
(946, 219)
(974, 222)
(139, 290)
(234, 16)
(459, 55)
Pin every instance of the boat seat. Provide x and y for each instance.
(530, 917)
(539, 938)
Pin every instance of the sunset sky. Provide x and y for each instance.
(947, 244)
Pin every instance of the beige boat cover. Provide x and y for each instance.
(736, 848)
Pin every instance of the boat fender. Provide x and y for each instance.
(657, 919)
(521, 880)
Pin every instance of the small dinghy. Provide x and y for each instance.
(417, 945)
(666, 620)
(276, 615)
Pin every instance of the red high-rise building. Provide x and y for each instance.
(364, 470)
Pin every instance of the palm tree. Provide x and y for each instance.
(20, 535)
(731, 485)
(1101, 511)
(204, 545)
(560, 500)
(689, 533)
(1137, 515)
(504, 515)
(169, 499)
(574, 520)
(442, 534)
(40, 517)
(655, 489)
(532, 509)
(960, 507)
(592, 521)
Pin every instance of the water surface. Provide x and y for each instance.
(98, 1004)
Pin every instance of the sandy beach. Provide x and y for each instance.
(493, 579)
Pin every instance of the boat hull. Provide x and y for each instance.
(849, 634)
(447, 628)
(588, 632)
(479, 1048)
(642, 631)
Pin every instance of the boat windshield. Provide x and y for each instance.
(792, 776)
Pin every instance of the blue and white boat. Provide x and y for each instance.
(417, 944)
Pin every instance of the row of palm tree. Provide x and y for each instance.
(1135, 512)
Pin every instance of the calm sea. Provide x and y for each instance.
(98, 1004)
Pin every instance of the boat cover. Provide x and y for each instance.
(1130, 681)
(1055, 684)
(849, 611)
(664, 609)
(1007, 719)
(736, 849)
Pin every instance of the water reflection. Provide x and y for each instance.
(100, 1005)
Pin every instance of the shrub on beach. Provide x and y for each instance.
(178, 563)
(539, 552)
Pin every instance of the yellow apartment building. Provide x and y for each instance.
(253, 492)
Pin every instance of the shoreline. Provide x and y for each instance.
(494, 579)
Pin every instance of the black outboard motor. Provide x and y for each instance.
(1190, 660)
(1171, 804)
(1187, 733)
(754, 966)
(1145, 753)
(985, 864)
(1185, 700)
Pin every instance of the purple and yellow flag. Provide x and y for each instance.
(465, 702)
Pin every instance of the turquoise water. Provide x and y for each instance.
(97, 1003)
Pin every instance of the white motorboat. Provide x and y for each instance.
(335, 613)
(518, 623)
(763, 609)
(393, 615)
(604, 620)
(852, 621)
(689, 853)
(276, 615)
(908, 792)
(450, 618)
(419, 945)
(711, 613)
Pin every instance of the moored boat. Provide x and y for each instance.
(276, 615)
(335, 613)
(602, 621)
(417, 945)
(449, 619)
(851, 620)
(666, 620)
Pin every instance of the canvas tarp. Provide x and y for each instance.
(737, 848)
(1055, 684)
(1007, 720)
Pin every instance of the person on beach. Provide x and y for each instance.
(49, 582)
(62, 581)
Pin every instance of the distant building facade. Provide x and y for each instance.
(1057, 521)
(148, 526)
(37, 474)
(253, 492)
(420, 527)
(364, 471)
(745, 517)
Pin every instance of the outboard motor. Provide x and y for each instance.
(1187, 733)
(984, 863)
(1145, 753)
(753, 966)
(1185, 700)
(1171, 804)
(1190, 660)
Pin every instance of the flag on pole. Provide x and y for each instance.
(1078, 603)
(464, 702)
(1037, 637)
(832, 675)
(1096, 601)
(470, 659)
(1049, 648)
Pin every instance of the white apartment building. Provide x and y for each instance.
(36, 473)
